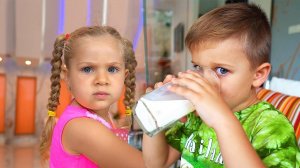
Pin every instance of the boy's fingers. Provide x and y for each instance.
(158, 84)
(149, 89)
(168, 78)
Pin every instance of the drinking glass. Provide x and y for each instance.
(159, 109)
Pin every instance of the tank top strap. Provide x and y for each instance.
(76, 111)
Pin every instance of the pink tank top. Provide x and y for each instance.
(59, 158)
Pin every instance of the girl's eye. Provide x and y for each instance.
(87, 69)
(112, 69)
(221, 71)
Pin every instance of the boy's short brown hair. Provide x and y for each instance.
(245, 22)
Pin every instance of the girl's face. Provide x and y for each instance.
(97, 72)
(228, 60)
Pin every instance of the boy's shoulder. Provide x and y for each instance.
(269, 131)
(262, 108)
(263, 116)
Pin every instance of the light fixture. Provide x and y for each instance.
(1, 59)
(27, 62)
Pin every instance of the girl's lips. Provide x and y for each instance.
(101, 95)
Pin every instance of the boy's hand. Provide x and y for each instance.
(204, 94)
(167, 79)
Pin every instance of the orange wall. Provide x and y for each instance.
(121, 105)
(25, 105)
(64, 98)
(2, 102)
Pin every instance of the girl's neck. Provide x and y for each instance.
(104, 113)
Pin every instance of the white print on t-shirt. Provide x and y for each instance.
(210, 152)
(185, 164)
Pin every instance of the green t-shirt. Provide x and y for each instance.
(268, 130)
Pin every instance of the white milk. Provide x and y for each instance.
(159, 109)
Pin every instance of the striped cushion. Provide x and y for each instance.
(288, 105)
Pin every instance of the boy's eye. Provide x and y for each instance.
(221, 71)
(112, 69)
(87, 69)
(197, 67)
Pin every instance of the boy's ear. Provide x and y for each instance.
(261, 74)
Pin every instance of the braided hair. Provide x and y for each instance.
(62, 53)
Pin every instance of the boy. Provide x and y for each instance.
(231, 128)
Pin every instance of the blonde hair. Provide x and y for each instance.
(62, 53)
(245, 22)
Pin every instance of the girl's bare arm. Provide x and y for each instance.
(88, 137)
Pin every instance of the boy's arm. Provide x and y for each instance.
(235, 147)
(157, 153)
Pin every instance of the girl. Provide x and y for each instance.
(95, 63)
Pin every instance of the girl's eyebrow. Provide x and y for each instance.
(115, 63)
(93, 62)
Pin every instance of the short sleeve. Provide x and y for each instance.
(177, 135)
(174, 135)
(274, 139)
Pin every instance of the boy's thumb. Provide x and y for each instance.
(149, 89)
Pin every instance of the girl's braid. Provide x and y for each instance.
(130, 65)
(53, 100)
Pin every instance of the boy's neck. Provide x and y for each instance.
(249, 102)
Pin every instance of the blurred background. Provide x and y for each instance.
(156, 28)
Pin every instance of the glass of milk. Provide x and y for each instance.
(159, 109)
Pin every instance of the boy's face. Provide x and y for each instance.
(228, 60)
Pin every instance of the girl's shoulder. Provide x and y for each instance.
(83, 126)
(82, 133)
(76, 112)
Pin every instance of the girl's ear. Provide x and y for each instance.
(261, 74)
(126, 73)
(64, 73)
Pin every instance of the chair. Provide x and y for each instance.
(288, 105)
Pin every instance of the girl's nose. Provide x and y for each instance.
(101, 78)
